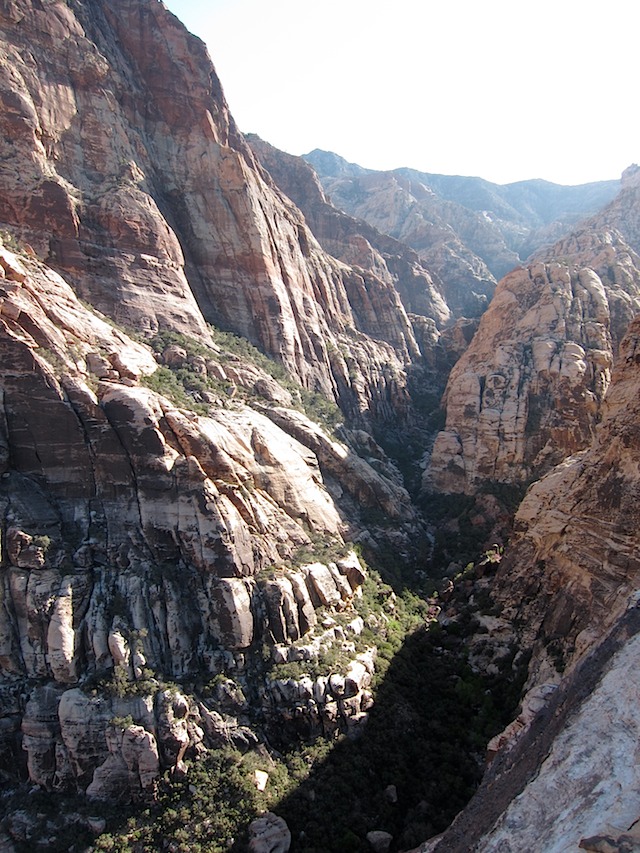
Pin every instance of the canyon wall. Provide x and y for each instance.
(167, 510)
(123, 169)
(528, 391)
(143, 542)
(564, 773)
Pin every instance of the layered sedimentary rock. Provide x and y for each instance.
(528, 391)
(123, 168)
(565, 775)
(354, 241)
(134, 531)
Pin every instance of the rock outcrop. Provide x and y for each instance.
(125, 171)
(528, 391)
(564, 774)
(134, 531)
(169, 514)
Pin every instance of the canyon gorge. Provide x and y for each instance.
(318, 485)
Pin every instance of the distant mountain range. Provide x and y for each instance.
(429, 211)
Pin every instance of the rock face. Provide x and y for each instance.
(166, 513)
(133, 533)
(565, 775)
(577, 539)
(528, 391)
(354, 241)
(142, 540)
(128, 175)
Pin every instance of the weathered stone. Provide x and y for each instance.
(269, 834)
(321, 584)
(379, 841)
(528, 391)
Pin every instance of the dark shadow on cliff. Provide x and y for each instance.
(417, 761)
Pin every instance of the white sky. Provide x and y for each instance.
(502, 89)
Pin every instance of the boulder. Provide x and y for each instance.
(269, 834)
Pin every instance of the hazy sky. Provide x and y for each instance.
(500, 89)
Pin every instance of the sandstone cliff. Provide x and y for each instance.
(124, 169)
(529, 390)
(565, 775)
(165, 510)
(175, 566)
(142, 541)
(354, 241)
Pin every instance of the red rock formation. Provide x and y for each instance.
(128, 173)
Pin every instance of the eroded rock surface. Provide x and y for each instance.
(125, 171)
(563, 775)
(528, 392)
(134, 532)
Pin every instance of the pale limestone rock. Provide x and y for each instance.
(337, 686)
(231, 615)
(119, 648)
(282, 609)
(341, 582)
(307, 618)
(173, 729)
(83, 723)
(33, 595)
(140, 753)
(352, 569)
(110, 780)
(354, 474)
(358, 677)
(41, 735)
(131, 768)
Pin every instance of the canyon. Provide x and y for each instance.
(273, 428)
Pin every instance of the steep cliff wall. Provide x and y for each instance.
(565, 774)
(123, 169)
(142, 541)
(354, 241)
(529, 389)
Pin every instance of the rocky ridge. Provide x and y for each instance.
(411, 213)
(354, 241)
(529, 390)
(568, 587)
(500, 224)
(145, 195)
